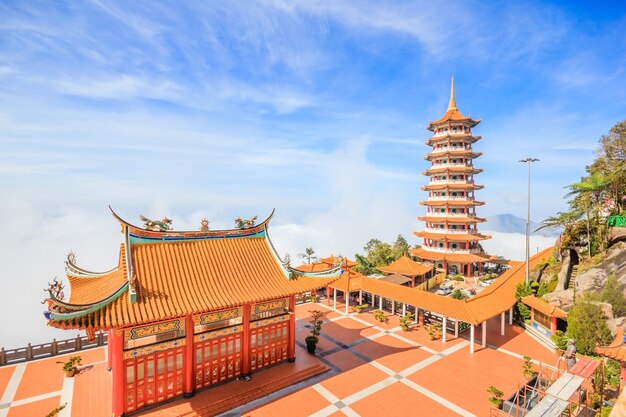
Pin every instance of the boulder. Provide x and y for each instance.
(594, 278)
(564, 299)
(566, 269)
(615, 323)
(607, 310)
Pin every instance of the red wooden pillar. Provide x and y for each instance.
(109, 350)
(245, 348)
(553, 325)
(188, 388)
(291, 345)
(117, 366)
(328, 295)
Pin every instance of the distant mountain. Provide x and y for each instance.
(508, 223)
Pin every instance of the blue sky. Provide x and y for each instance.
(222, 109)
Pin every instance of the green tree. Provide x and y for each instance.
(586, 325)
(377, 254)
(613, 295)
(458, 294)
(308, 255)
(400, 247)
(522, 290)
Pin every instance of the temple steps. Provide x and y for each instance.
(572, 278)
(263, 383)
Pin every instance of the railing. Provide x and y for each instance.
(437, 279)
(450, 165)
(450, 250)
(444, 198)
(44, 350)
(451, 132)
(439, 214)
(450, 231)
(434, 182)
(451, 148)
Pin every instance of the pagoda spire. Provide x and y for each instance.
(452, 103)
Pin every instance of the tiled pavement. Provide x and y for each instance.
(376, 369)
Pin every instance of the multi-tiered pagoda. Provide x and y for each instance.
(451, 237)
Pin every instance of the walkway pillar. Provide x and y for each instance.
(456, 327)
(291, 344)
(245, 343)
(403, 310)
(327, 296)
(347, 302)
(393, 307)
(188, 388)
(471, 338)
(360, 297)
(373, 300)
(511, 316)
(334, 300)
(443, 329)
(502, 321)
(417, 312)
(380, 302)
(484, 328)
(117, 364)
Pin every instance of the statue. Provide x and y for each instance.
(156, 225)
(245, 223)
(55, 289)
(71, 257)
(204, 225)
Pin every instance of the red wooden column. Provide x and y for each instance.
(291, 345)
(245, 348)
(109, 350)
(117, 366)
(553, 326)
(188, 388)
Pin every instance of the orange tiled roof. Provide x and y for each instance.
(187, 277)
(464, 169)
(495, 299)
(348, 279)
(451, 186)
(616, 350)
(543, 307)
(453, 237)
(332, 259)
(88, 290)
(406, 266)
(451, 257)
(314, 267)
(453, 152)
(451, 219)
(454, 203)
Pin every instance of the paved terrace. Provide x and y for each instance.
(376, 369)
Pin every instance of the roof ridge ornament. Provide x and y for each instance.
(452, 103)
(156, 225)
(245, 223)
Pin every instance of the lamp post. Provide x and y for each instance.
(528, 161)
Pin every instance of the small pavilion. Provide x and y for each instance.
(544, 316)
(409, 268)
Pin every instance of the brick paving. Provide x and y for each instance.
(375, 369)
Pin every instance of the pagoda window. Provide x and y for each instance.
(454, 194)
(454, 226)
(453, 210)
(441, 244)
(443, 210)
(444, 177)
(454, 246)
(443, 194)
(454, 161)
(454, 177)
(441, 226)
(439, 265)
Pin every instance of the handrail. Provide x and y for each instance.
(54, 348)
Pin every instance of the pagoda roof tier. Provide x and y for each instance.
(451, 219)
(451, 186)
(406, 266)
(454, 203)
(332, 260)
(171, 279)
(465, 137)
(461, 169)
(452, 237)
(453, 152)
(450, 257)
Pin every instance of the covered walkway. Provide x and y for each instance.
(494, 301)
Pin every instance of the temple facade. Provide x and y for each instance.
(451, 237)
(185, 311)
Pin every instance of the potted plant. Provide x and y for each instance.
(316, 327)
(434, 331)
(496, 396)
(359, 308)
(527, 368)
(406, 321)
(380, 316)
(70, 366)
(314, 297)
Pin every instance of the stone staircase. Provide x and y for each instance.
(572, 278)
(237, 393)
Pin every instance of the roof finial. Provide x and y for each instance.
(452, 103)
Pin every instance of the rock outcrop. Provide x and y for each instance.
(594, 278)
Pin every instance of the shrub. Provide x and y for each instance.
(613, 295)
(380, 316)
(56, 411)
(496, 396)
(458, 294)
(586, 325)
(405, 322)
(527, 368)
(560, 339)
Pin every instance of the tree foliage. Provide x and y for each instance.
(308, 255)
(586, 325)
(378, 253)
(613, 295)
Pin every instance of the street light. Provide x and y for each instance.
(528, 161)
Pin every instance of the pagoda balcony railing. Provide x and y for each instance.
(438, 214)
(451, 165)
(445, 197)
(451, 133)
(450, 148)
(54, 348)
(450, 250)
(435, 182)
(451, 231)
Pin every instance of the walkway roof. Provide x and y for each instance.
(406, 266)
